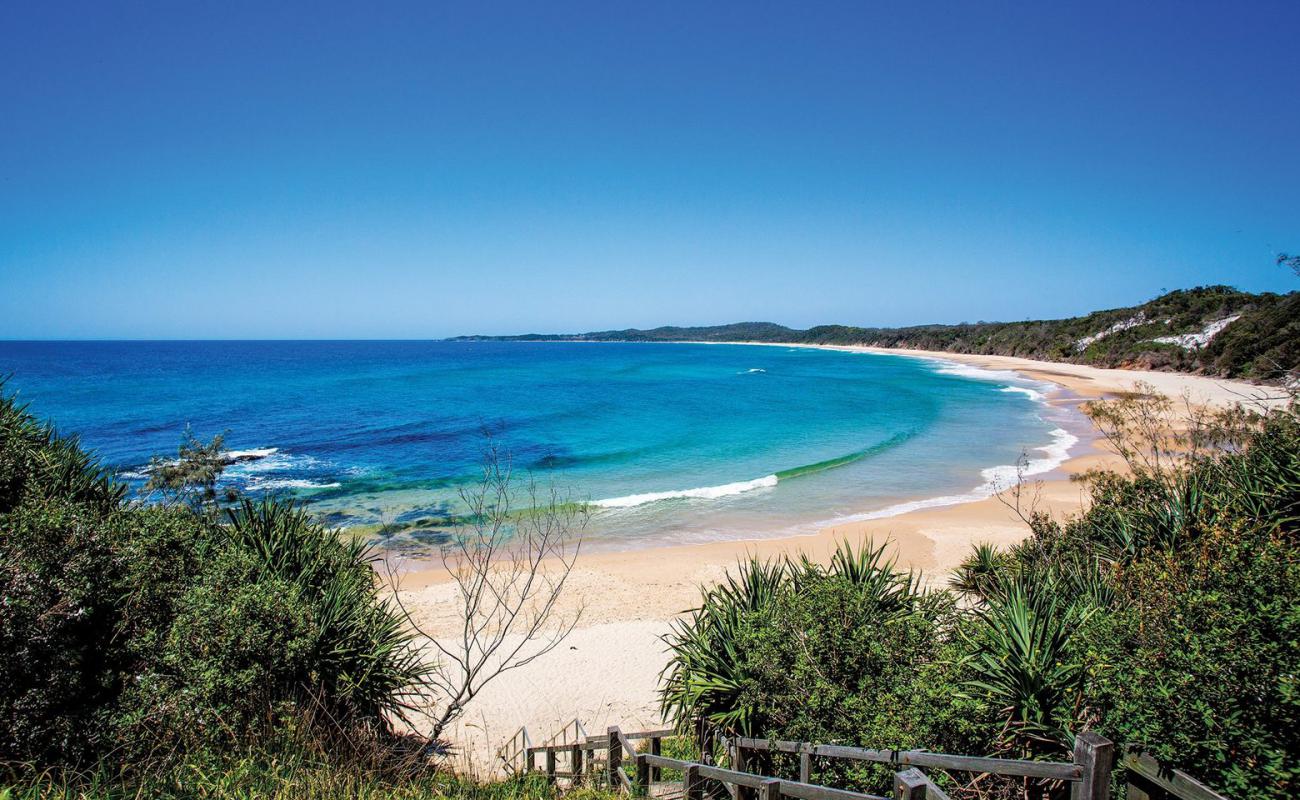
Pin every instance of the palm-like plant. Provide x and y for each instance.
(36, 460)
(364, 662)
(706, 686)
(1023, 662)
(978, 574)
(703, 684)
(868, 568)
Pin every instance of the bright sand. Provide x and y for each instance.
(607, 671)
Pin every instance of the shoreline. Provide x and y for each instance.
(607, 671)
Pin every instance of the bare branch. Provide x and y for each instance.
(509, 563)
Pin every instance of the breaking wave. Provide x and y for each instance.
(702, 493)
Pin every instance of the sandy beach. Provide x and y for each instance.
(607, 671)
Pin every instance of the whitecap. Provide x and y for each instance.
(701, 493)
(258, 485)
(272, 462)
(253, 454)
(1032, 394)
(945, 367)
(1013, 379)
(996, 479)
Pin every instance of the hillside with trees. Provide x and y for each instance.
(1213, 330)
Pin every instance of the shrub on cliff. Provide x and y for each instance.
(133, 632)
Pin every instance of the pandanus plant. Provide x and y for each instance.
(977, 575)
(1023, 662)
(36, 460)
(703, 685)
(365, 663)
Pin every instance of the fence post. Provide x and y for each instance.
(643, 774)
(909, 785)
(770, 790)
(691, 782)
(530, 760)
(1095, 755)
(805, 764)
(656, 749)
(615, 756)
(575, 762)
(740, 763)
(550, 765)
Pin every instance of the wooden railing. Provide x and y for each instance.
(620, 753)
(513, 753)
(1089, 772)
(580, 754)
(695, 774)
(1148, 780)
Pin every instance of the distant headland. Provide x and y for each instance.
(1211, 330)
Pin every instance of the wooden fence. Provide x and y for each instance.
(1148, 780)
(607, 759)
(578, 759)
(1088, 774)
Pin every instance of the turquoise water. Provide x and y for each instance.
(669, 442)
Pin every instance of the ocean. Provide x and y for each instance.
(666, 442)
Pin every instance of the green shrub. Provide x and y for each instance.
(136, 633)
(360, 662)
(852, 652)
(1197, 662)
(1166, 616)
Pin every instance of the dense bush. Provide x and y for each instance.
(135, 633)
(1196, 658)
(1166, 616)
(1197, 663)
(853, 651)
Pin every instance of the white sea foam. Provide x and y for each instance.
(288, 483)
(1032, 394)
(702, 493)
(751, 371)
(996, 479)
(1014, 380)
(249, 455)
(946, 367)
(132, 475)
(274, 461)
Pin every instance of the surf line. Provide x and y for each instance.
(765, 482)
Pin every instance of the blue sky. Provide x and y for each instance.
(421, 170)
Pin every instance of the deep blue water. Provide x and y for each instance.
(672, 441)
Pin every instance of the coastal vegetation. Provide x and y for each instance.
(207, 647)
(1215, 330)
(1165, 616)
